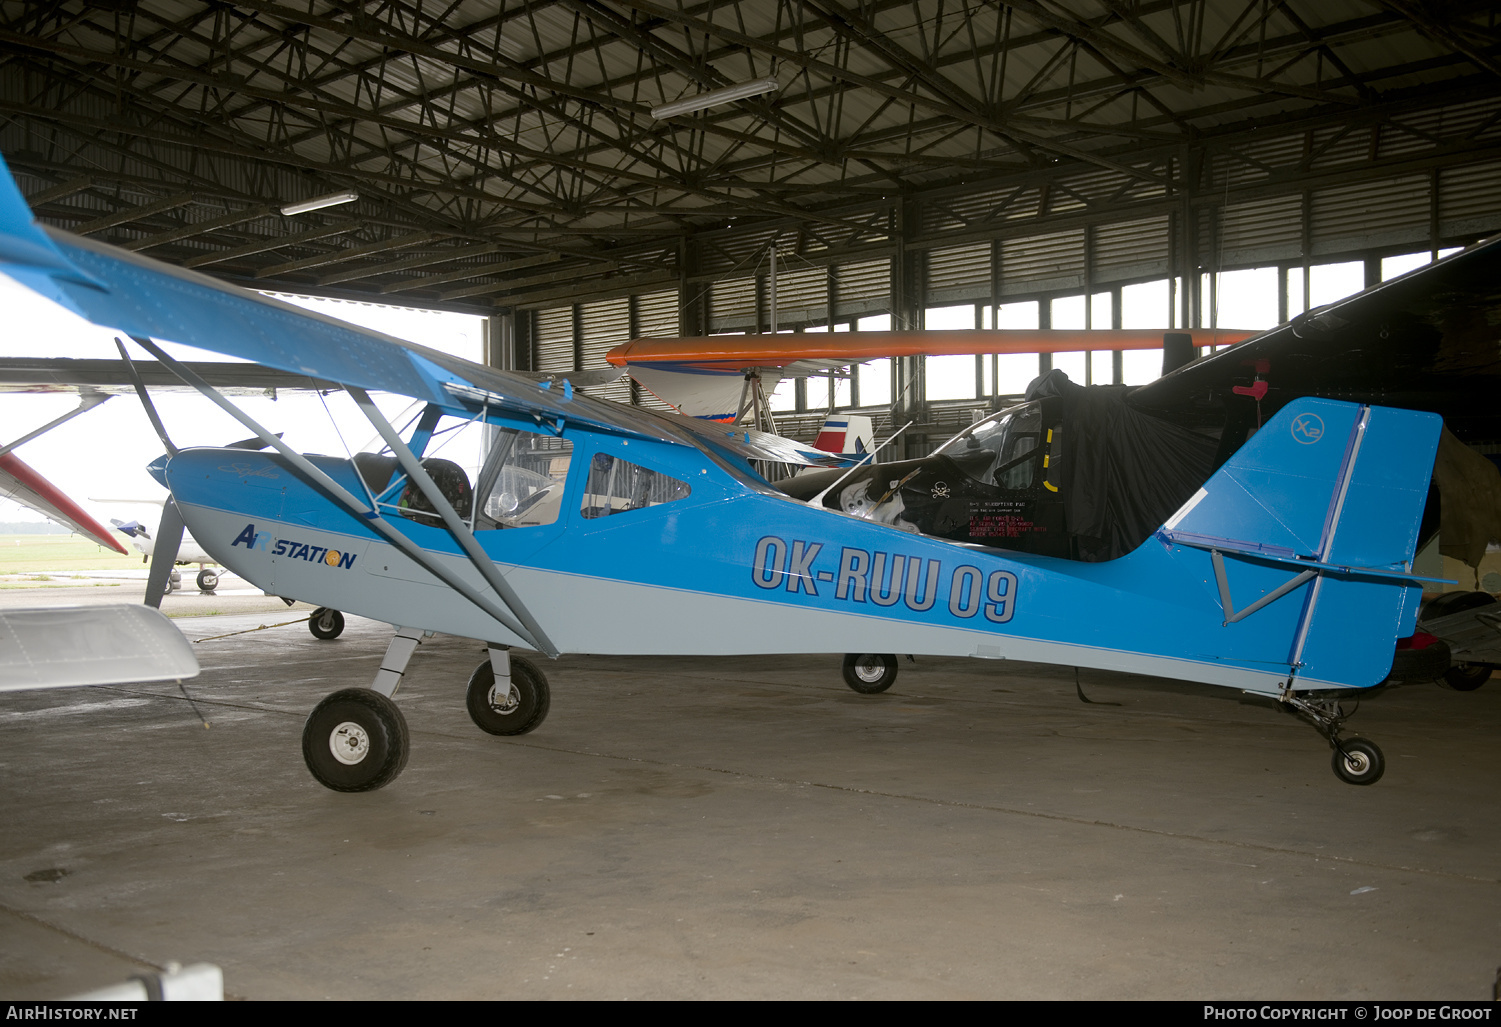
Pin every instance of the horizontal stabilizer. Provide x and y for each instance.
(90, 645)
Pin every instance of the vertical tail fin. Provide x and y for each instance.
(848, 434)
(1316, 518)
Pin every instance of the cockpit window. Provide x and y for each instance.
(523, 479)
(1000, 450)
(616, 486)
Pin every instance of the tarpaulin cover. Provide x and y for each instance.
(1124, 472)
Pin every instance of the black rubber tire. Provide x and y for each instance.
(208, 580)
(385, 740)
(869, 673)
(1420, 664)
(325, 623)
(530, 699)
(1365, 763)
(1454, 602)
(1466, 677)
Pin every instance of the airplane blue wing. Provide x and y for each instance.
(139, 296)
(129, 293)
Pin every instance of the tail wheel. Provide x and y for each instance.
(1359, 761)
(869, 673)
(325, 623)
(355, 741)
(521, 709)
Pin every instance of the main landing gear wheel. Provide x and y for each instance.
(208, 580)
(355, 741)
(869, 673)
(1358, 761)
(523, 707)
(325, 623)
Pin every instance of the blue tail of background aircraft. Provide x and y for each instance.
(1306, 536)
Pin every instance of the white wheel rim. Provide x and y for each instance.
(512, 702)
(326, 622)
(1357, 763)
(870, 669)
(349, 742)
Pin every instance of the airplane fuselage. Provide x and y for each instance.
(730, 569)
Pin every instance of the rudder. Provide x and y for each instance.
(1319, 509)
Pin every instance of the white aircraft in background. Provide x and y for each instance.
(190, 552)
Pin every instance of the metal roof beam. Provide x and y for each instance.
(121, 217)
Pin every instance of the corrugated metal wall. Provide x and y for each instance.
(554, 339)
(1261, 232)
(802, 295)
(1249, 224)
(732, 305)
(1385, 212)
(1043, 263)
(1468, 198)
(864, 288)
(958, 273)
(657, 315)
(602, 327)
(1131, 249)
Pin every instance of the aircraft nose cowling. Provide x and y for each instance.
(158, 469)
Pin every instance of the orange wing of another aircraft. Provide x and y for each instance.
(702, 376)
(20, 483)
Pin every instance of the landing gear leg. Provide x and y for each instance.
(1356, 761)
(356, 739)
(403, 644)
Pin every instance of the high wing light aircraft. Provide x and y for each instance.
(597, 528)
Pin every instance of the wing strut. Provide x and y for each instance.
(416, 473)
(88, 399)
(359, 507)
(140, 387)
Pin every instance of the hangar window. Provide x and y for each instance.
(523, 479)
(875, 375)
(617, 486)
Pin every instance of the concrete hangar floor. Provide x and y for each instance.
(745, 828)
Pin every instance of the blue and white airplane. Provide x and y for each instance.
(592, 527)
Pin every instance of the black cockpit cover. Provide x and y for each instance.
(1124, 472)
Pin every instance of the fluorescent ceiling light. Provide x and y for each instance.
(318, 203)
(714, 98)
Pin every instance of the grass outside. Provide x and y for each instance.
(31, 554)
